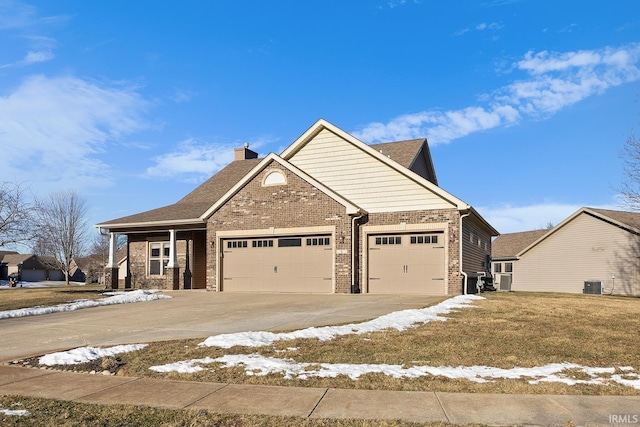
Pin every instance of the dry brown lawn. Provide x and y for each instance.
(16, 298)
(505, 330)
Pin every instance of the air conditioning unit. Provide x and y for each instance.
(505, 282)
(593, 287)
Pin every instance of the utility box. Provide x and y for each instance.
(593, 287)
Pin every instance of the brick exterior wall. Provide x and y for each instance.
(298, 204)
(138, 253)
(449, 216)
(295, 204)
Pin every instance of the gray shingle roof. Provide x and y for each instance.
(403, 152)
(510, 244)
(15, 259)
(631, 219)
(197, 202)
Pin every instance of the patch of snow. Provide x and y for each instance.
(4, 284)
(86, 354)
(114, 298)
(399, 320)
(256, 364)
(184, 367)
(15, 412)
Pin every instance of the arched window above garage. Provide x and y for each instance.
(274, 177)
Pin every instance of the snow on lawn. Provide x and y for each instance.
(4, 284)
(399, 320)
(256, 364)
(114, 298)
(86, 354)
(15, 412)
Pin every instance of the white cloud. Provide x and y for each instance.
(32, 57)
(194, 160)
(52, 129)
(510, 219)
(493, 26)
(17, 15)
(554, 81)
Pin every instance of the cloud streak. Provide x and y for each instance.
(53, 129)
(193, 160)
(553, 81)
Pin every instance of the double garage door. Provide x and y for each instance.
(406, 264)
(278, 264)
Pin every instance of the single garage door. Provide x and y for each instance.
(278, 264)
(406, 264)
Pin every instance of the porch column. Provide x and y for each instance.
(111, 269)
(173, 269)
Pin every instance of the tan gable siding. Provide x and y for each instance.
(586, 248)
(362, 179)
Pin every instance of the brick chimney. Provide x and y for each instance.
(244, 153)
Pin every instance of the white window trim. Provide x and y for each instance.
(164, 259)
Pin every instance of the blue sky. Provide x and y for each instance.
(526, 104)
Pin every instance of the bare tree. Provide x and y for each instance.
(101, 242)
(630, 189)
(16, 218)
(63, 230)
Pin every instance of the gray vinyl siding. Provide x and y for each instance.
(361, 178)
(476, 248)
(586, 248)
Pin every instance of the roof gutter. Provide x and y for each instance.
(151, 224)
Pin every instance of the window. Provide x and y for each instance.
(289, 242)
(158, 258)
(428, 239)
(274, 178)
(262, 244)
(390, 240)
(508, 267)
(318, 241)
(232, 244)
(497, 267)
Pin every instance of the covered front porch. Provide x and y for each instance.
(161, 259)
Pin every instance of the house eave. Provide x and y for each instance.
(151, 224)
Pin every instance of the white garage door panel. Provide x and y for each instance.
(406, 264)
(278, 265)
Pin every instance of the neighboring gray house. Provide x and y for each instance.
(592, 251)
(330, 214)
(32, 268)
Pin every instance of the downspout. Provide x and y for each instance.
(460, 254)
(354, 254)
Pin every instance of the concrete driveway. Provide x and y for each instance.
(191, 314)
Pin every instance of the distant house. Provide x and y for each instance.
(4, 270)
(592, 251)
(330, 214)
(32, 268)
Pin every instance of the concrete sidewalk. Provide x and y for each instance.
(455, 408)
